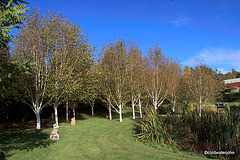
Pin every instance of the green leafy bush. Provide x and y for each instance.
(210, 108)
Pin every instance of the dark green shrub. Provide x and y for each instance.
(165, 109)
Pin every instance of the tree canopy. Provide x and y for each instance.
(12, 14)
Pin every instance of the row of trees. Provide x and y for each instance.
(63, 69)
(126, 76)
(229, 75)
(61, 56)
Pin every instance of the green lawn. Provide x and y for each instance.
(91, 138)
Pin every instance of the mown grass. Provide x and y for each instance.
(91, 138)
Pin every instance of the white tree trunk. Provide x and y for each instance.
(140, 106)
(173, 106)
(37, 110)
(120, 113)
(56, 113)
(133, 105)
(92, 107)
(110, 112)
(67, 111)
(38, 118)
(92, 111)
(155, 107)
(74, 111)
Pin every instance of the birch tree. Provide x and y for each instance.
(32, 44)
(134, 73)
(58, 62)
(114, 71)
(174, 74)
(203, 85)
(65, 43)
(156, 77)
(185, 96)
(79, 79)
(93, 89)
(104, 87)
(142, 92)
(62, 57)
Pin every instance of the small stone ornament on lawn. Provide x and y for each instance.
(73, 121)
(54, 135)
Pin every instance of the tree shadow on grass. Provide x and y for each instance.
(23, 139)
(82, 116)
(126, 114)
(129, 114)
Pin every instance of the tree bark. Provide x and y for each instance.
(38, 118)
(56, 113)
(200, 107)
(140, 106)
(200, 110)
(110, 112)
(120, 113)
(74, 110)
(67, 111)
(133, 105)
(37, 111)
(155, 107)
(92, 110)
(174, 107)
(92, 107)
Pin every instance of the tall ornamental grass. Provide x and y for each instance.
(210, 132)
(159, 129)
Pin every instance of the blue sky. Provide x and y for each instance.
(186, 29)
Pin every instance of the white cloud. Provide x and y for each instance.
(180, 21)
(223, 70)
(220, 58)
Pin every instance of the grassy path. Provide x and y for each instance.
(93, 138)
